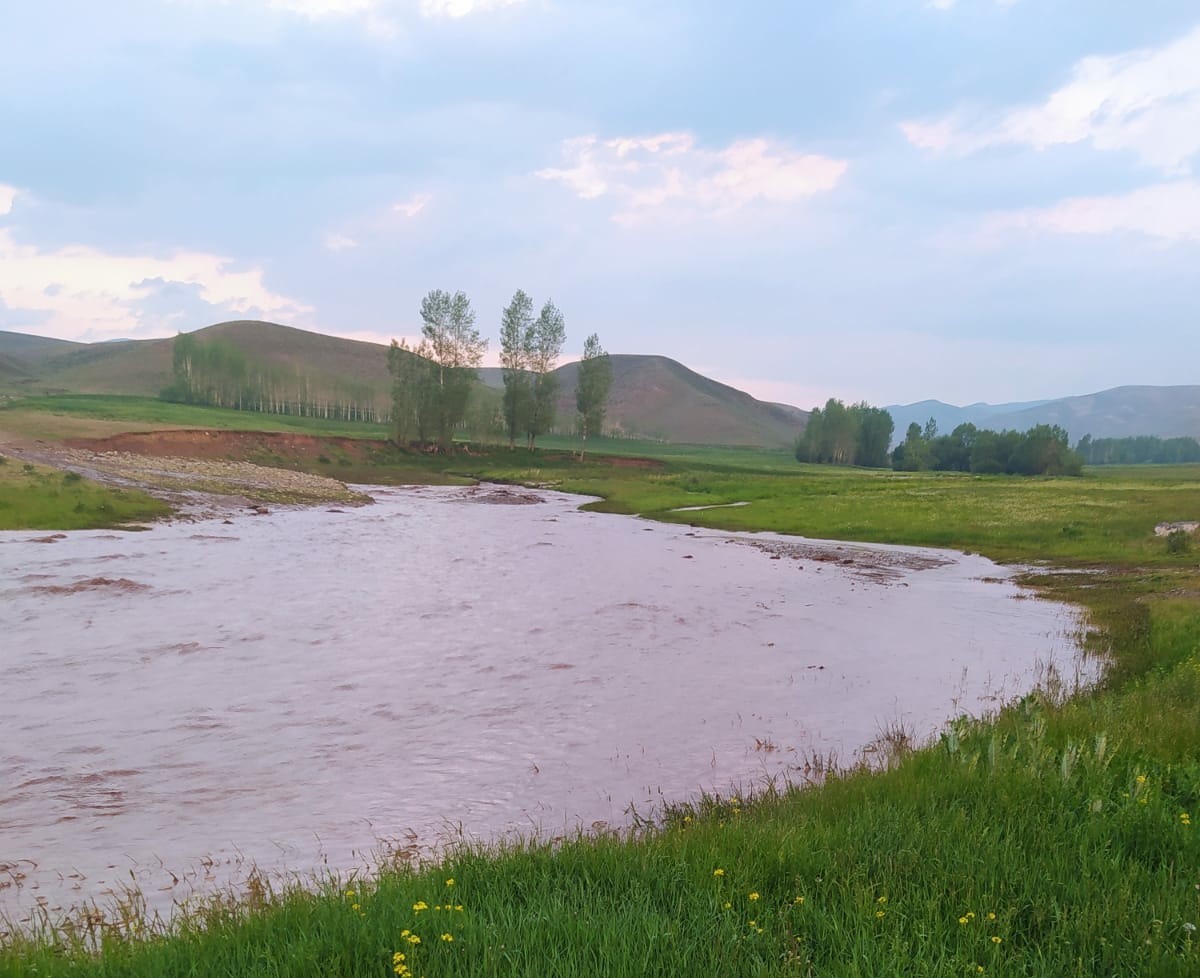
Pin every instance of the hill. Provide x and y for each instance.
(659, 398)
(950, 416)
(652, 396)
(1120, 412)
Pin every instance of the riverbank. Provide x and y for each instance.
(1056, 839)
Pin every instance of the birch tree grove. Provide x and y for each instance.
(591, 390)
(218, 373)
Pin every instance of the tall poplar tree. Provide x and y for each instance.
(544, 346)
(455, 350)
(516, 323)
(591, 389)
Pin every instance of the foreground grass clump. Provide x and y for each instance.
(36, 497)
(1058, 839)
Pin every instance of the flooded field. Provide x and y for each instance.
(292, 690)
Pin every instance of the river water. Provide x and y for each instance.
(287, 690)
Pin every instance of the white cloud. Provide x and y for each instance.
(649, 175)
(338, 242)
(462, 8)
(7, 196)
(950, 4)
(1145, 101)
(380, 16)
(413, 205)
(79, 291)
(1169, 211)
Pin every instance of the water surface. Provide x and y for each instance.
(288, 689)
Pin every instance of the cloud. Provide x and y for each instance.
(1169, 211)
(950, 4)
(380, 16)
(338, 242)
(649, 175)
(413, 205)
(1145, 101)
(461, 8)
(7, 196)
(81, 292)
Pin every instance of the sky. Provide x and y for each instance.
(881, 200)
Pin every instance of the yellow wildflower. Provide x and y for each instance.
(419, 906)
(458, 907)
(718, 871)
(996, 938)
(1185, 818)
(799, 900)
(727, 905)
(882, 899)
(752, 897)
(879, 914)
(448, 938)
(991, 915)
(450, 881)
(413, 939)
(964, 921)
(355, 906)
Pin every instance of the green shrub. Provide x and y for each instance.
(1179, 542)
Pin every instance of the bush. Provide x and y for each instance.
(1179, 542)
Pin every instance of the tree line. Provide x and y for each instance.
(860, 435)
(841, 435)
(432, 383)
(1042, 450)
(216, 373)
(1138, 450)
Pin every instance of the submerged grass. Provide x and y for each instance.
(1054, 839)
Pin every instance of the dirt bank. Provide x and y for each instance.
(198, 472)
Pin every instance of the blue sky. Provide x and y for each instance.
(872, 199)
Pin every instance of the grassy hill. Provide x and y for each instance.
(652, 397)
(659, 398)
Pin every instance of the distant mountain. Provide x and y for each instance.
(652, 397)
(1168, 412)
(950, 416)
(1121, 412)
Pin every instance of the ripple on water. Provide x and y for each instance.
(382, 674)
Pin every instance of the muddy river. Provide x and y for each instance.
(294, 690)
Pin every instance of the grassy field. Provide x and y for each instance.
(97, 415)
(1056, 839)
(34, 497)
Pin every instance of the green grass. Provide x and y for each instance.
(148, 411)
(39, 498)
(1070, 821)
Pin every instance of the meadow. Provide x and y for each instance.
(1054, 839)
(37, 497)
